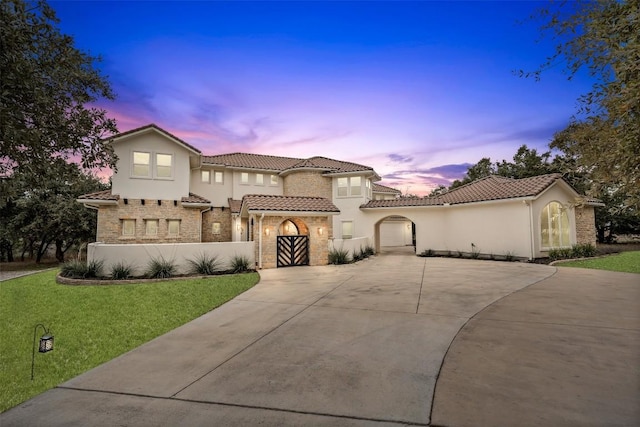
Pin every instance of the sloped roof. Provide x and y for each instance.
(100, 195)
(378, 188)
(264, 202)
(484, 189)
(235, 205)
(282, 164)
(157, 128)
(194, 198)
(498, 187)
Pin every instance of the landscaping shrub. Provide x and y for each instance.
(240, 264)
(475, 252)
(509, 256)
(339, 256)
(369, 251)
(584, 250)
(427, 253)
(121, 271)
(81, 270)
(160, 268)
(204, 264)
(560, 253)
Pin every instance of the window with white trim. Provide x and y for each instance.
(274, 179)
(349, 187)
(244, 178)
(141, 164)
(218, 177)
(347, 229)
(355, 185)
(173, 227)
(369, 190)
(554, 226)
(205, 176)
(164, 165)
(151, 227)
(259, 179)
(128, 227)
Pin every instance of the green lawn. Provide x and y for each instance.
(628, 262)
(92, 324)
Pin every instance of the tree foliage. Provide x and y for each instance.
(603, 38)
(34, 218)
(46, 95)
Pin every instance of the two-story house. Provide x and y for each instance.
(290, 211)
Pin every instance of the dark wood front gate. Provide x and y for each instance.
(293, 250)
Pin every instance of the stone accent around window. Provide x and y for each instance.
(221, 215)
(110, 219)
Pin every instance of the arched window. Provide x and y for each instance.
(554, 226)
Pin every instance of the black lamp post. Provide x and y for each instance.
(46, 344)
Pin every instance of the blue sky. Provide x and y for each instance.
(418, 90)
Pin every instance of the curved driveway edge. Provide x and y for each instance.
(338, 345)
(563, 352)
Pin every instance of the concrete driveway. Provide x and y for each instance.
(340, 345)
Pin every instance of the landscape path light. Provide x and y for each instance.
(45, 346)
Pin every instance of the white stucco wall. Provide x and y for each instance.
(138, 255)
(218, 194)
(350, 245)
(127, 186)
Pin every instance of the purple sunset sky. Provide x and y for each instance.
(417, 90)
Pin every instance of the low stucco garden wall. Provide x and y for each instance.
(350, 245)
(139, 255)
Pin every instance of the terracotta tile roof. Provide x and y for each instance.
(481, 190)
(378, 188)
(498, 188)
(235, 205)
(281, 164)
(263, 202)
(159, 129)
(403, 202)
(100, 195)
(194, 198)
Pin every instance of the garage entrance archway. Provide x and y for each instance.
(395, 234)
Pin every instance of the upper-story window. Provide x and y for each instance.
(205, 176)
(141, 164)
(164, 164)
(259, 179)
(146, 165)
(218, 177)
(350, 186)
(369, 191)
(244, 178)
(274, 179)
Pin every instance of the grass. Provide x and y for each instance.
(628, 262)
(92, 324)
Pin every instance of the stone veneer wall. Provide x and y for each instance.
(318, 243)
(307, 183)
(110, 222)
(586, 225)
(221, 215)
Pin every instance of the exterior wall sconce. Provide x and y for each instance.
(238, 227)
(320, 231)
(267, 231)
(45, 346)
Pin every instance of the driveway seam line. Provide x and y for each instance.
(239, 405)
(464, 325)
(556, 324)
(424, 268)
(256, 340)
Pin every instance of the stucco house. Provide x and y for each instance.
(283, 211)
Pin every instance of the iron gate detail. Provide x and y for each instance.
(293, 250)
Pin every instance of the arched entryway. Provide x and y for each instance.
(292, 243)
(395, 234)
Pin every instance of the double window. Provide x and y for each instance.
(152, 165)
(351, 186)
